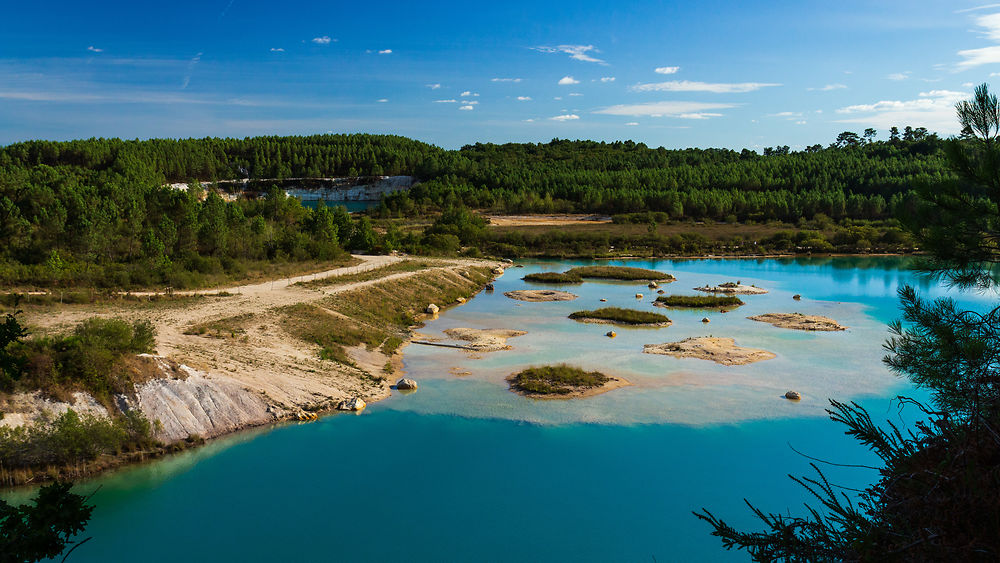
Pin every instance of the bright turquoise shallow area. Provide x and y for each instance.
(464, 470)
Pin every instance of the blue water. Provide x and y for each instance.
(351, 206)
(463, 470)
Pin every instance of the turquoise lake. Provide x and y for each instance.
(464, 470)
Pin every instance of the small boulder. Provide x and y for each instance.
(432, 309)
(604, 300)
(405, 384)
(497, 271)
(460, 300)
(519, 266)
(793, 395)
(653, 285)
(706, 320)
(355, 404)
(611, 334)
(660, 291)
(796, 297)
(638, 296)
(489, 287)
(723, 311)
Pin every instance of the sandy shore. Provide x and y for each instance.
(732, 289)
(798, 321)
(719, 350)
(539, 295)
(486, 339)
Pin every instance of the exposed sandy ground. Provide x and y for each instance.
(720, 350)
(733, 289)
(798, 321)
(485, 340)
(287, 371)
(538, 295)
(545, 220)
(579, 392)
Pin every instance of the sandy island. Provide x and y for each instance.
(575, 392)
(538, 295)
(621, 323)
(733, 289)
(798, 321)
(720, 350)
(485, 340)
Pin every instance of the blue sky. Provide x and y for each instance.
(675, 74)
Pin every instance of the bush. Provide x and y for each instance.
(553, 277)
(560, 379)
(698, 301)
(622, 316)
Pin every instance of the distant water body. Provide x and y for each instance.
(351, 206)
(464, 470)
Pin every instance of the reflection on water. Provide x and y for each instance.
(860, 293)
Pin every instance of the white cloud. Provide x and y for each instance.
(632, 123)
(277, 50)
(786, 114)
(899, 75)
(557, 98)
(687, 110)
(829, 87)
(191, 64)
(505, 80)
(93, 49)
(470, 102)
(984, 55)
(529, 120)
(567, 80)
(607, 79)
(575, 94)
(986, 7)
(382, 101)
(385, 52)
(801, 122)
(467, 108)
(434, 86)
(565, 117)
(576, 52)
(445, 101)
(934, 110)
(689, 86)
(467, 94)
(325, 40)
(524, 98)
(666, 69)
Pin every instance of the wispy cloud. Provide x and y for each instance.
(689, 86)
(899, 75)
(382, 101)
(324, 40)
(990, 25)
(575, 52)
(93, 49)
(632, 123)
(666, 69)
(434, 86)
(524, 98)
(575, 94)
(190, 68)
(985, 7)
(505, 80)
(786, 114)
(445, 101)
(469, 94)
(277, 50)
(684, 110)
(385, 52)
(934, 110)
(829, 87)
(607, 79)
(467, 108)
(568, 80)
(565, 117)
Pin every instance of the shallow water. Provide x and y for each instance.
(464, 470)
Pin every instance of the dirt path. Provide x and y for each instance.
(260, 354)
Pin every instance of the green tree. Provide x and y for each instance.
(938, 496)
(12, 333)
(43, 530)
